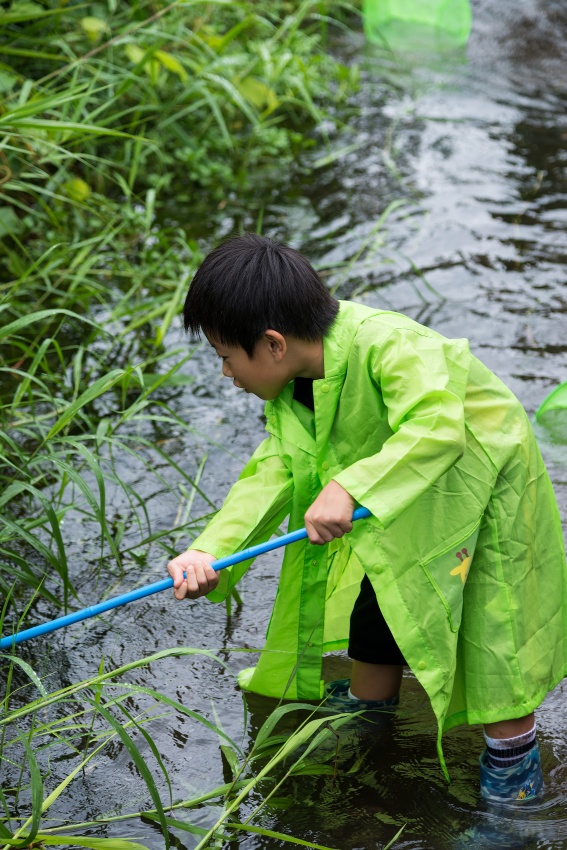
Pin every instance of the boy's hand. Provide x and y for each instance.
(201, 578)
(330, 515)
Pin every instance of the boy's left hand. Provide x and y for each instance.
(330, 515)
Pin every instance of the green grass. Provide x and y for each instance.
(126, 131)
(110, 112)
(195, 98)
(77, 724)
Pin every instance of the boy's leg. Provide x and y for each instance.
(377, 661)
(510, 728)
(375, 681)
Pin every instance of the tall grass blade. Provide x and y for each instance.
(36, 794)
(86, 841)
(100, 386)
(36, 318)
(138, 760)
(279, 836)
(298, 739)
(29, 671)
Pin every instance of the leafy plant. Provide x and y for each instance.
(108, 110)
(65, 421)
(146, 97)
(80, 721)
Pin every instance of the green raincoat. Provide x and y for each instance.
(464, 547)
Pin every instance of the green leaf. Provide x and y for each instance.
(36, 794)
(4, 833)
(12, 491)
(134, 53)
(258, 94)
(100, 386)
(77, 189)
(36, 318)
(152, 747)
(171, 64)
(29, 672)
(7, 81)
(232, 759)
(313, 770)
(281, 836)
(94, 27)
(182, 825)
(145, 59)
(9, 221)
(311, 734)
(138, 760)
(152, 381)
(10, 121)
(263, 736)
(86, 841)
(338, 154)
(395, 838)
(26, 11)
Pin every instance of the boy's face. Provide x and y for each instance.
(265, 375)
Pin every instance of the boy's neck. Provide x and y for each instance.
(307, 358)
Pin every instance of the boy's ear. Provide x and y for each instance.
(276, 343)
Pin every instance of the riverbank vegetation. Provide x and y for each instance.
(130, 134)
(127, 132)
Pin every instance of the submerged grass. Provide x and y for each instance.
(78, 723)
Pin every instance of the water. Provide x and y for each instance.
(475, 146)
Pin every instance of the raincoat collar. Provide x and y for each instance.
(282, 421)
(338, 341)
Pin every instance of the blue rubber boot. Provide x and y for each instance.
(337, 699)
(516, 784)
(505, 789)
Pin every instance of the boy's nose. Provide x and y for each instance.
(226, 371)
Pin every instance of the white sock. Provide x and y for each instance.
(504, 752)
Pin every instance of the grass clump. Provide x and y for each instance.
(122, 126)
(75, 725)
(128, 131)
(196, 100)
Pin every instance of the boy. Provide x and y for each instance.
(460, 572)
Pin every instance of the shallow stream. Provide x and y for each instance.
(475, 146)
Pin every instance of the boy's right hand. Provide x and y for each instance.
(201, 578)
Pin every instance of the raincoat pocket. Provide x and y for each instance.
(447, 569)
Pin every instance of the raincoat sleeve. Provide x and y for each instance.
(422, 379)
(253, 510)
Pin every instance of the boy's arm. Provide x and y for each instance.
(253, 510)
(423, 380)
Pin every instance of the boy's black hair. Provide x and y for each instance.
(250, 284)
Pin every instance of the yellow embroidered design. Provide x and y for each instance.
(463, 568)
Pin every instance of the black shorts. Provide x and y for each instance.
(370, 639)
